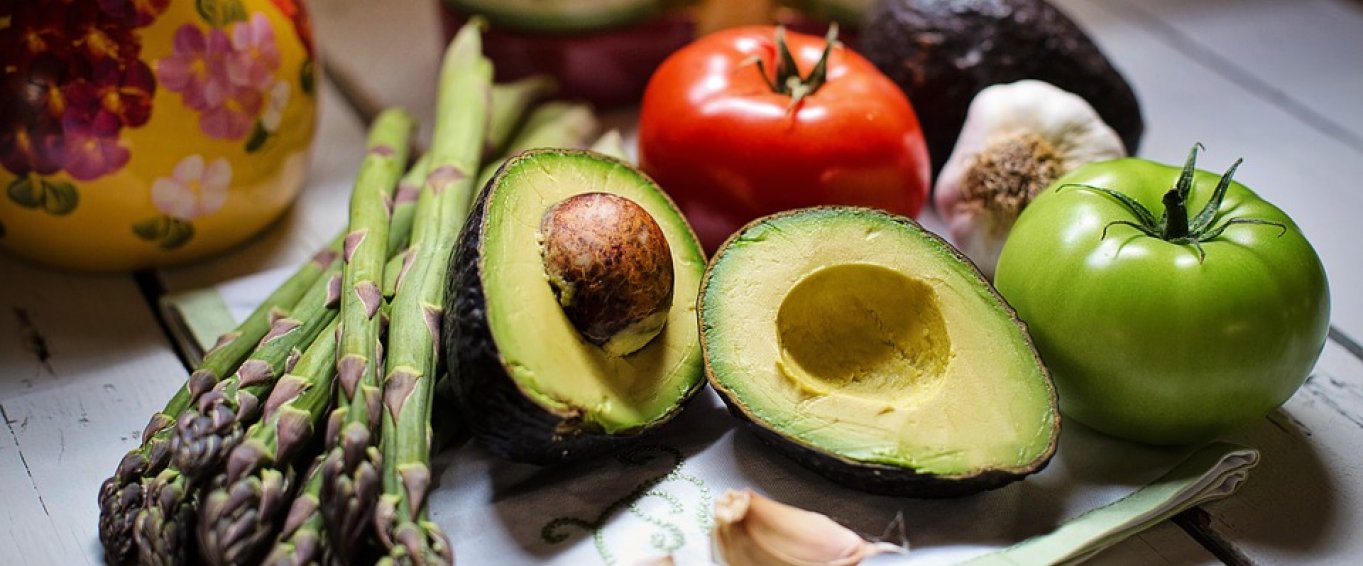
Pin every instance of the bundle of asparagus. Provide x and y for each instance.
(229, 465)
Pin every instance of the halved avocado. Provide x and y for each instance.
(872, 352)
(550, 359)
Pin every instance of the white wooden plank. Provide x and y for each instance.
(317, 216)
(71, 416)
(25, 526)
(59, 331)
(1304, 501)
(1305, 172)
(1303, 54)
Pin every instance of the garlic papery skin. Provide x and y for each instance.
(1017, 139)
(752, 530)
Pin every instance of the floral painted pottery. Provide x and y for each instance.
(141, 133)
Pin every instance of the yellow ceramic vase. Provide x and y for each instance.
(142, 133)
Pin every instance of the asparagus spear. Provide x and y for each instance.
(400, 228)
(300, 542)
(121, 496)
(404, 206)
(509, 102)
(401, 513)
(238, 511)
(507, 108)
(612, 145)
(209, 430)
(238, 515)
(201, 433)
(163, 524)
(552, 124)
(204, 437)
(350, 473)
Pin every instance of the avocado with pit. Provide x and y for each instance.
(870, 351)
(572, 300)
(942, 53)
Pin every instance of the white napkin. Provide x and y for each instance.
(657, 497)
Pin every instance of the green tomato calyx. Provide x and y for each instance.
(787, 79)
(1173, 225)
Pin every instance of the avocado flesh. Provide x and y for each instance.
(549, 361)
(860, 337)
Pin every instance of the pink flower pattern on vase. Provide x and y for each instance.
(90, 144)
(193, 189)
(257, 56)
(223, 77)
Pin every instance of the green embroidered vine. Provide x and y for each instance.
(668, 537)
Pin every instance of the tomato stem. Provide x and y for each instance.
(787, 79)
(1174, 225)
(1175, 216)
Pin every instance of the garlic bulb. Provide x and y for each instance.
(752, 530)
(1017, 139)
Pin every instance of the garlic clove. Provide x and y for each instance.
(664, 560)
(753, 530)
(1017, 139)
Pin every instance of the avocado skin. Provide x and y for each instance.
(943, 52)
(879, 478)
(499, 416)
(497, 413)
(871, 477)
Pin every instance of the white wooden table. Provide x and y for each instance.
(84, 360)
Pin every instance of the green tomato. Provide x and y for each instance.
(1171, 316)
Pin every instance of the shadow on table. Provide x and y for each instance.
(1290, 502)
(547, 510)
(1088, 470)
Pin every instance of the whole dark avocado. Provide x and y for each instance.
(943, 52)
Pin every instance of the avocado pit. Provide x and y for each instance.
(862, 330)
(610, 267)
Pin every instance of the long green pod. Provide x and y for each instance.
(411, 365)
(351, 471)
(204, 433)
(121, 495)
(239, 513)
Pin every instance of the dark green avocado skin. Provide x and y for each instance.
(943, 52)
(877, 478)
(498, 415)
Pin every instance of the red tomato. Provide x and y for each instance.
(728, 148)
